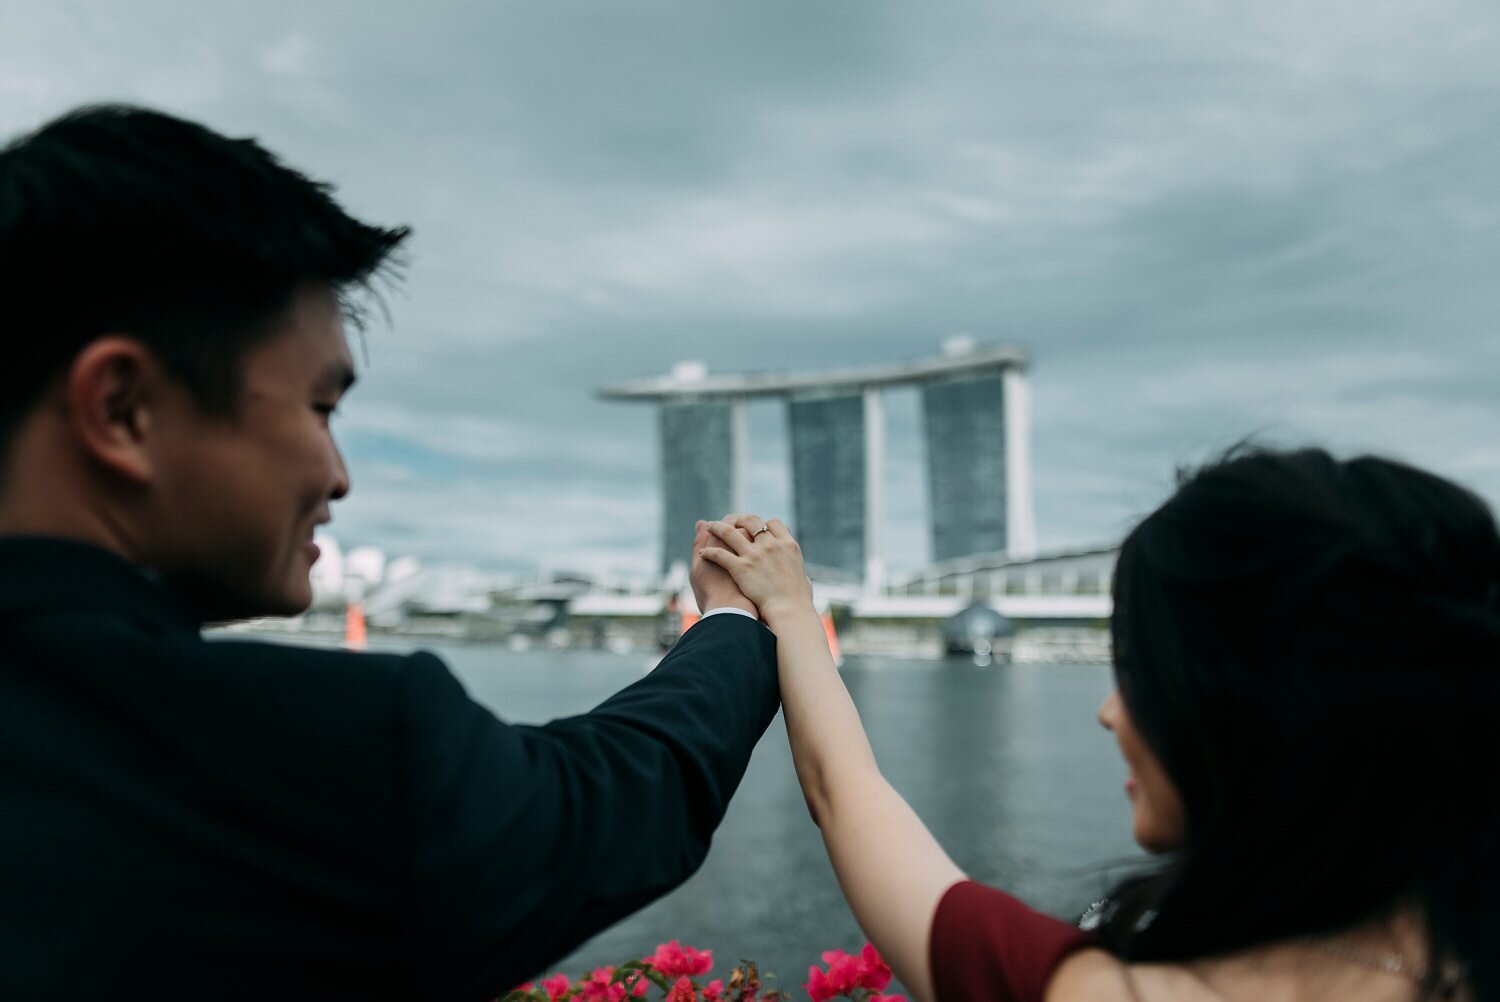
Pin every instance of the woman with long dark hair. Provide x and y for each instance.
(1307, 658)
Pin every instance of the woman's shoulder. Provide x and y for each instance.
(1090, 975)
(1096, 975)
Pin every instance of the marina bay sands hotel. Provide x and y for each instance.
(976, 419)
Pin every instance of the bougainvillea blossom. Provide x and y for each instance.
(674, 968)
(674, 960)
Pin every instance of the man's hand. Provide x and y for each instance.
(712, 585)
(765, 562)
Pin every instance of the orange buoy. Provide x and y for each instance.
(354, 626)
(833, 639)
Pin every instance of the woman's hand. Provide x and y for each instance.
(891, 869)
(766, 563)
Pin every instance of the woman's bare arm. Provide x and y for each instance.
(891, 869)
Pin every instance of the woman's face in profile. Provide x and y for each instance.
(1160, 822)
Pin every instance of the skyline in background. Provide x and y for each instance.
(1204, 221)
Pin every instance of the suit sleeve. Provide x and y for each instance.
(524, 841)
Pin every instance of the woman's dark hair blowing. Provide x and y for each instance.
(116, 219)
(1312, 649)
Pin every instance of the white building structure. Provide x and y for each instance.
(977, 420)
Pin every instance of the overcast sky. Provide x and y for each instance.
(1205, 220)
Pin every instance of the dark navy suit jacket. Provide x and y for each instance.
(229, 819)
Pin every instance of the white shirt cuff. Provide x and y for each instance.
(731, 608)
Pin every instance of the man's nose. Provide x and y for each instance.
(340, 475)
(1109, 710)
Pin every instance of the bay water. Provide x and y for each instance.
(1006, 765)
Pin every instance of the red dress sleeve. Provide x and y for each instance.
(986, 946)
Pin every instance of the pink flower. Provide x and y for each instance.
(642, 985)
(714, 990)
(841, 978)
(819, 988)
(682, 991)
(597, 987)
(886, 998)
(846, 973)
(557, 986)
(674, 960)
(874, 974)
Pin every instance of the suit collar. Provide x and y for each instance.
(41, 574)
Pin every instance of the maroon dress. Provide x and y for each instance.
(987, 946)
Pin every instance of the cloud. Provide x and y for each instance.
(290, 56)
(1204, 220)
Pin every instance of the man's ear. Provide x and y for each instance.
(111, 389)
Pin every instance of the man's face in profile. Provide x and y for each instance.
(239, 497)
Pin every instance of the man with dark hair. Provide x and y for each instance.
(246, 820)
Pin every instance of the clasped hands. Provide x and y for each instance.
(746, 562)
